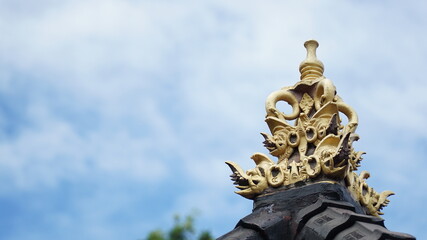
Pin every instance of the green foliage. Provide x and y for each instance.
(183, 229)
(156, 235)
(205, 235)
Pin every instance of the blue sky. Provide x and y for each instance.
(115, 115)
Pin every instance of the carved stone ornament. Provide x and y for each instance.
(316, 148)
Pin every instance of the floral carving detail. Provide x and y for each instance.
(306, 103)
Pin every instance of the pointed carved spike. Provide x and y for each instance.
(359, 155)
(236, 169)
(354, 137)
(240, 175)
(383, 201)
(343, 152)
(261, 157)
(387, 194)
(333, 125)
(265, 135)
(268, 142)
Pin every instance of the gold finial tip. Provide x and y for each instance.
(311, 68)
(311, 44)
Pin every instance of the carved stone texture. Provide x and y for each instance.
(311, 212)
(316, 148)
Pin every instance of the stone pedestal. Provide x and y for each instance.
(310, 212)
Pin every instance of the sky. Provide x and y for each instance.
(117, 114)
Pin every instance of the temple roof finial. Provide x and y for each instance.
(311, 68)
(313, 185)
(311, 143)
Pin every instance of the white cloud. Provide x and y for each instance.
(176, 89)
(53, 152)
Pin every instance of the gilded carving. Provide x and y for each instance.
(317, 147)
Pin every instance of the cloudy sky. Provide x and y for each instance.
(117, 114)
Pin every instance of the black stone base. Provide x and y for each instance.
(311, 212)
